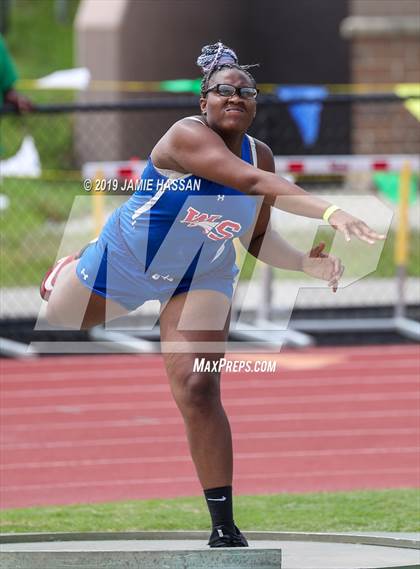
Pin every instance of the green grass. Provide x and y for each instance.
(38, 43)
(52, 134)
(382, 510)
(48, 47)
(32, 227)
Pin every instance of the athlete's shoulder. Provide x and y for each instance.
(265, 156)
(182, 137)
(190, 131)
(195, 118)
(188, 124)
(191, 135)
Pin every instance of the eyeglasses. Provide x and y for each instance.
(229, 90)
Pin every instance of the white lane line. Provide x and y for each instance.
(186, 458)
(245, 418)
(53, 375)
(227, 386)
(97, 372)
(74, 360)
(366, 351)
(78, 408)
(142, 361)
(158, 439)
(173, 480)
(136, 365)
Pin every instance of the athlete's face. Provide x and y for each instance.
(229, 114)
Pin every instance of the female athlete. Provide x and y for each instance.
(206, 183)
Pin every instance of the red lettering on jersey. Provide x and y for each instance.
(222, 230)
(208, 223)
(194, 218)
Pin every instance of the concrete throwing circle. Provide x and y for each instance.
(188, 550)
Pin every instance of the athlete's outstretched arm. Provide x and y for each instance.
(266, 245)
(262, 242)
(199, 150)
(269, 247)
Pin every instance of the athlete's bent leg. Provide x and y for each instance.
(72, 305)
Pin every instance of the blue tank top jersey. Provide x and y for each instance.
(184, 224)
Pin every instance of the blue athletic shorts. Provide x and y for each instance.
(110, 269)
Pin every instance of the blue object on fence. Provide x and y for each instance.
(307, 115)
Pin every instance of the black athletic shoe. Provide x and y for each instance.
(222, 536)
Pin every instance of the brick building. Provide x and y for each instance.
(385, 49)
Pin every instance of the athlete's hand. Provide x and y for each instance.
(21, 103)
(322, 266)
(350, 225)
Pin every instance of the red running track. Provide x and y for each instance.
(102, 428)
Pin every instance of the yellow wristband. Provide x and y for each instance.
(329, 211)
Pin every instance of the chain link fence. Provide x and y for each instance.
(52, 143)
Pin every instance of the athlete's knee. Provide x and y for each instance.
(201, 392)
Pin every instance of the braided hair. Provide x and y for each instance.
(215, 57)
